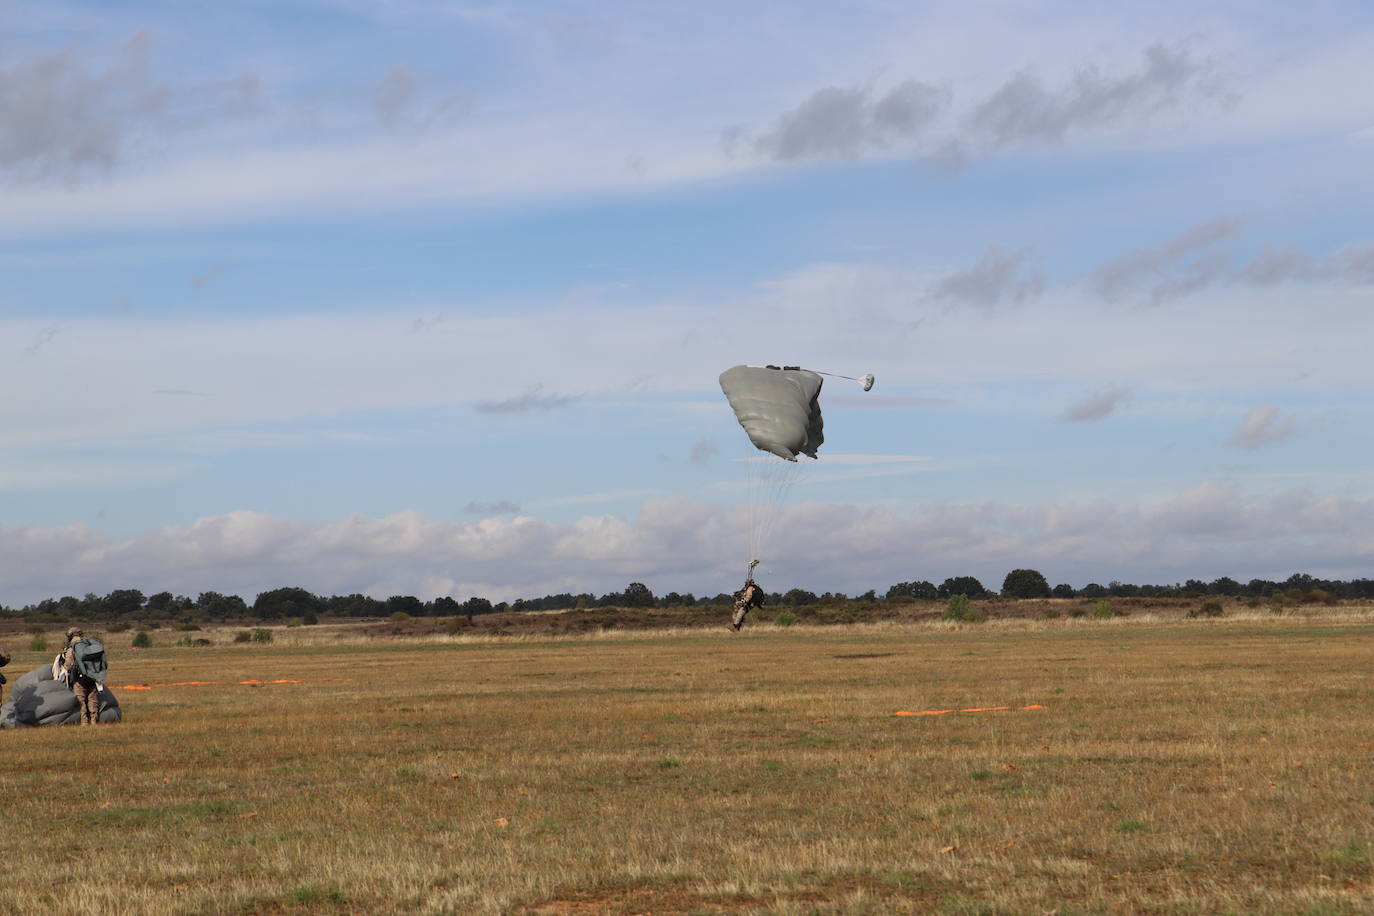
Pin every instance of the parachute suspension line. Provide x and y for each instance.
(866, 381)
(771, 481)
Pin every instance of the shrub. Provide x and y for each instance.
(785, 619)
(262, 634)
(309, 619)
(400, 617)
(243, 636)
(1051, 613)
(1208, 609)
(187, 625)
(1103, 610)
(38, 643)
(142, 640)
(958, 608)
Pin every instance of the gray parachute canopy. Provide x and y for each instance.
(778, 408)
(37, 699)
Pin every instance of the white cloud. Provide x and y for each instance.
(533, 398)
(97, 381)
(1262, 426)
(1182, 265)
(997, 276)
(859, 460)
(702, 451)
(1096, 406)
(300, 153)
(31, 475)
(677, 544)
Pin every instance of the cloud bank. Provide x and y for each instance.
(676, 544)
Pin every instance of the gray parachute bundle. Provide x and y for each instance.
(779, 408)
(37, 699)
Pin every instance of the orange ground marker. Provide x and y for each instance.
(945, 712)
(249, 683)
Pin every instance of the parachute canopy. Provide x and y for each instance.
(778, 408)
(37, 699)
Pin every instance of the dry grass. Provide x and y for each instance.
(1219, 766)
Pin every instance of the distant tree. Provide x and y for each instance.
(405, 604)
(1092, 590)
(123, 602)
(637, 594)
(1224, 586)
(213, 604)
(1302, 582)
(796, 597)
(161, 603)
(285, 602)
(967, 586)
(1194, 588)
(920, 590)
(354, 605)
(1025, 583)
(475, 605)
(444, 606)
(1062, 591)
(870, 595)
(1119, 589)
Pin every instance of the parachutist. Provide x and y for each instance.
(746, 599)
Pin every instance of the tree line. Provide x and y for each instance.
(294, 603)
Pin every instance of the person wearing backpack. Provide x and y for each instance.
(84, 661)
(4, 660)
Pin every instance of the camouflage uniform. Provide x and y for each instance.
(4, 660)
(85, 689)
(749, 597)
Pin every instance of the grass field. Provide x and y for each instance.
(1219, 766)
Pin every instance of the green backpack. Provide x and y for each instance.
(90, 659)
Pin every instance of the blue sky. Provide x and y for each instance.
(432, 299)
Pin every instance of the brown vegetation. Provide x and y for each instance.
(1179, 766)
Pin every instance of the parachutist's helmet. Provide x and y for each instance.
(749, 582)
(74, 631)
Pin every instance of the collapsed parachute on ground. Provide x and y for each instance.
(37, 699)
(779, 408)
